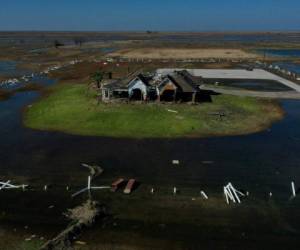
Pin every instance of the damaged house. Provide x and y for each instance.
(179, 86)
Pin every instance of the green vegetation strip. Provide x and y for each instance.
(74, 109)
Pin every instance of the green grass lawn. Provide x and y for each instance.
(74, 109)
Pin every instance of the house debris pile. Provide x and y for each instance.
(178, 86)
(81, 216)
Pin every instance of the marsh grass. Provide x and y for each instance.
(74, 109)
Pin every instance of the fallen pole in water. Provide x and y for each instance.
(7, 185)
(203, 194)
(232, 194)
(226, 195)
(293, 189)
(89, 187)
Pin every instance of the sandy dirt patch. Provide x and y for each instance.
(179, 53)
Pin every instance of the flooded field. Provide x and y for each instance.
(26, 38)
(259, 163)
(295, 53)
(251, 85)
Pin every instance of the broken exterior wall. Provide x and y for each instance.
(137, 84)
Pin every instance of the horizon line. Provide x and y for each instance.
(154, 31)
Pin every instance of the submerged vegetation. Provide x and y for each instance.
(74, 109)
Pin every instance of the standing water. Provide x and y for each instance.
(261, 163)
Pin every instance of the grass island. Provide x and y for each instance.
(74, 109)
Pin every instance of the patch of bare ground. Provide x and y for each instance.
(181, 53)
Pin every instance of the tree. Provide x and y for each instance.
(98, 77)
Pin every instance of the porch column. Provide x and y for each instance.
(175, 94)
(194, 97)
(158, 94)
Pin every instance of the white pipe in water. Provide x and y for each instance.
(89, 182)
(204, 195)
(293, 189)
(235, 194)
(103, 187)
(230, 195)
(226, 195)
(4, 184)
(79, 192)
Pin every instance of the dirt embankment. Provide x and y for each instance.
(181, 53)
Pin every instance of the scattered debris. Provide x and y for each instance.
(232, 194)
(172, 111)
(175, 162)
(94, 170)
(293, 189)
(116, 184)
(7, 185)
(203, 194)
(89, 187)
(129, 187)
